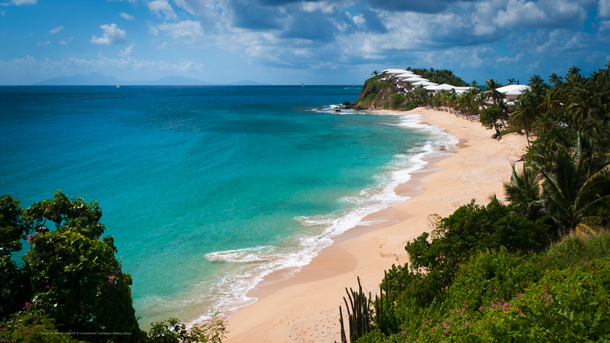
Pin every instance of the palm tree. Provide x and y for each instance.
(525, 112)
(583, 104)
(375, 73)
(536, 81)
(511, 81)
(573, 74)
(551, 101)
(554, 79)
(523, 191)
(491, 85)
(575, 198)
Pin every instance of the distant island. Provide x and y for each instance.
(96, 79)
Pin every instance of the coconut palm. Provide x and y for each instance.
(573, 74)
(551, 101)
(536, 81)
(511, 81)
(375, 73)
(523, 191)
(575, 198)
(554, 79)
(583, 104)
(525, 112)
(491, 85)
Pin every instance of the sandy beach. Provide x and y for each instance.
(305, 308)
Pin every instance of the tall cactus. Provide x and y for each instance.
(384, 312)
(359, 318)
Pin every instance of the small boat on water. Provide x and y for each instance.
(117, 86)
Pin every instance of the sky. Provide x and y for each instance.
(289, 42)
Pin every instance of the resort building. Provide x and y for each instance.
(407, 81)
(511, 92)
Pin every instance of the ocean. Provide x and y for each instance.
(208, 189)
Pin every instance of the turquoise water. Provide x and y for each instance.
(208, 189)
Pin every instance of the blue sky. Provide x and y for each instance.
(294, 42)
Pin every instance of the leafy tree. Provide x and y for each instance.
(14, 282)
(511, 81)
(493, 117)
(71, 272)
(471, 228)
(69, 280)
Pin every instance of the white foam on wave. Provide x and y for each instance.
(330, 109)
(253, 264)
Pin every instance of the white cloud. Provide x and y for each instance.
(43, 43)
(126, 16)
(24, 2)
(126, 53)
(66, 43)
(186, 31)
(129, 63)
(604, 9)
(322, 6)
(519, 12)
(56, 30)
(112, 35)
(509, 60)
(152, 29)
(162, 6)
(533, 67)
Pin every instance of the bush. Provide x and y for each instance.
(473, 228)
(70, 280)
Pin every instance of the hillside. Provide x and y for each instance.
(379, 93)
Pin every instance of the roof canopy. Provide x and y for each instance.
(443, 87)
(424, 83)
(414, 79)
(513, 89)
(407, 74)
(395, 71)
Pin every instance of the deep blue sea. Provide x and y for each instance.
(208, 189)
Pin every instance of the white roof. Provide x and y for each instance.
(513, 89)
(414, 79)
(407, 74)
(395, 71)
(443, 87)
(424, 83)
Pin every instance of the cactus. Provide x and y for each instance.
(359, 318)
(384, 312)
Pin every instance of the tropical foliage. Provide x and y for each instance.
(69, 284)
(535, 268)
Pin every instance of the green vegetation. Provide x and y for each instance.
(69, 286)
(439, 76)
(534, 269)
(379, 92)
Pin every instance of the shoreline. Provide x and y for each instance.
(304, 307)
